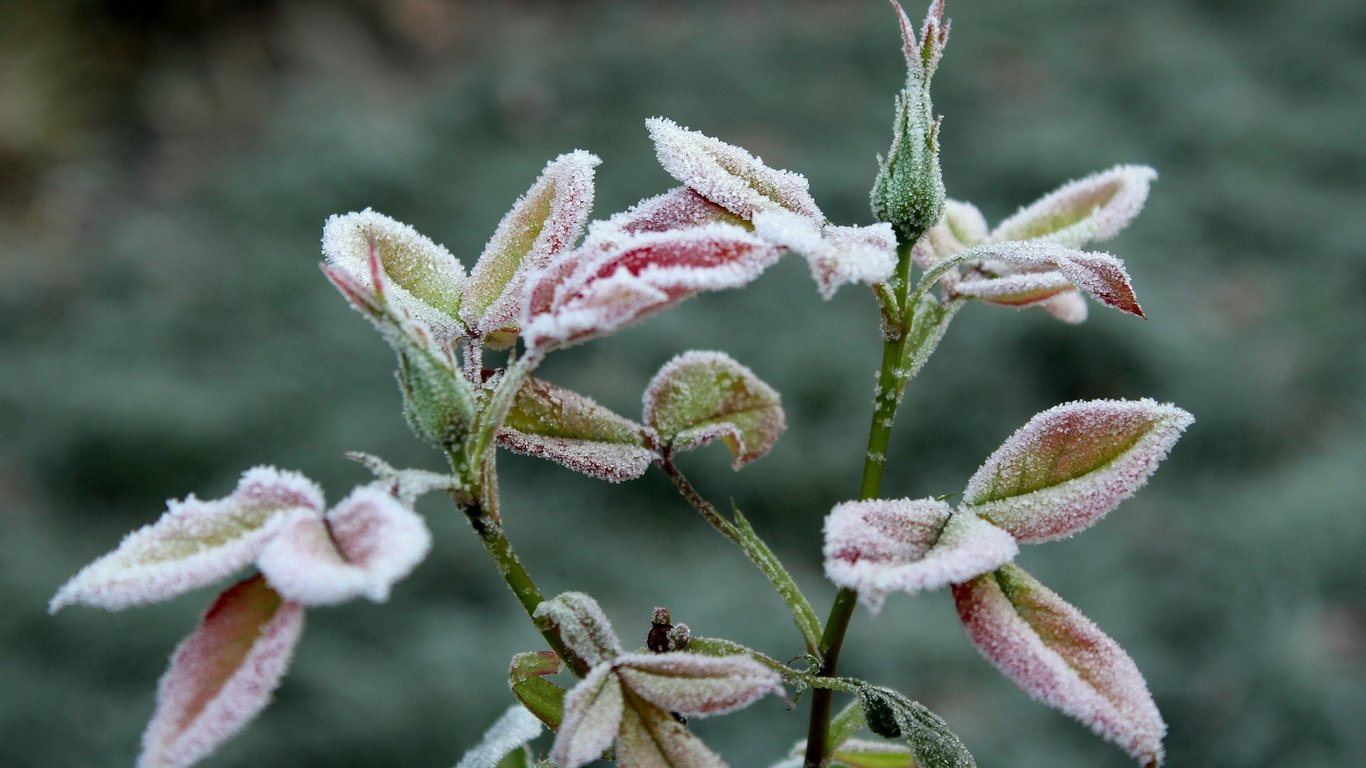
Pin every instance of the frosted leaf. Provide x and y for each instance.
(679, 208)
(1099, 274)
(891, 715)
(701, 396)
(542, 698)
(607, 285)
(1060, 658)
(222, 675)
(543, 224)
(592, 718)
(583, 626)
(194, 543)
(858, 753)
(407, 485)
(697, 686)
(423, 277)
(507, 734)
(651, 738)
(1083, 211)
(900, 545)
(571, 429)
(837, 255)
(1070, 465)
(728, 175)
(1068, 307)
(1018, 289)
(362, 547)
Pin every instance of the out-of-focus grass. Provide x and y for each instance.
(163, 326)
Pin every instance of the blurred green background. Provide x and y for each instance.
(165, 168)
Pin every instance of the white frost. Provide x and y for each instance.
(516, 727)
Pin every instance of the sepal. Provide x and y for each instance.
(699, 397)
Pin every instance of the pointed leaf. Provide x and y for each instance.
(583, 626)
(195, 543)
(1051, 267)
(222, 675)
(697, 686)
(1059, 657)
(931, 320)
(515, 728)
(1072, 464)
(566, 427)
(880, 546)
(526, 678)
(857, 753)
(592, 718)
(407, 485)
(891, 715)
(543, 223)
(701, 396)
(651, 738)
(423, 277)
(1068, 307)
(1083, 211)
(612, 282)
(361, 548)
(728, 175)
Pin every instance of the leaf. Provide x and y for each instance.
(728, 175)
(928, 326)
(651, 738)
(571, 429)
(583, 626)
(592, 716)
(222, 675)
(701, 396)
(544, 223)
(1083, 211)
(1061, 658)
(857, 753)
(697, 686)
(407, 485)
(679, 208)
(891, 715)
(613, 281)
(754, 547)
(526, 678)
(195, 543)
(1070, 465)
(1047, 270)
(507, 735)
(837, 255)
(880, 546)
(363, 546)
(424, 279)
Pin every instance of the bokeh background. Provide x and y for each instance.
(165, 169)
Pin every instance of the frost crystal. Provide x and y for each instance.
(425, 280)
(1084, 211)
(544, 223)
(1070, 465)
(195, 543)
(880, 546)
(362, 547)
(1060, 658)
(728, 175)
(222, 675)
(614, 281)
(571, 429)
(701, 396)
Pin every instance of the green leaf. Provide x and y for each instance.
(873, 754)
(571, 429)
(701, 396)
(542, 698)
(892, 715)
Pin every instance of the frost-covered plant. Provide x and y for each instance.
(550, 278)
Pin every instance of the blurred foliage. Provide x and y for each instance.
(164, 172)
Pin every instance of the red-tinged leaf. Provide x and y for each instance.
(697, 686)
(1018, 289)
(1070, 465)
(422, 277)
(222, 675)
(571, 429)
(592, 719)
(701, 396)
(651, 738)
(195, 543)
(362, 547)
(1084, 211)
(1099, 274)
(679, 208)
(900, 545)
(542, 225)
(606, 285)
(583, 626)
(1060, 658)
(526, 678)
(728, 175)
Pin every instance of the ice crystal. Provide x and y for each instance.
(507, 734)
(195, 543)
(1059, 657)
(702, 396)
(363, 546)
(903, 545)
(1072, 464)
(543, 224)
(571, 429)
(425, 279)
(222, 675)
